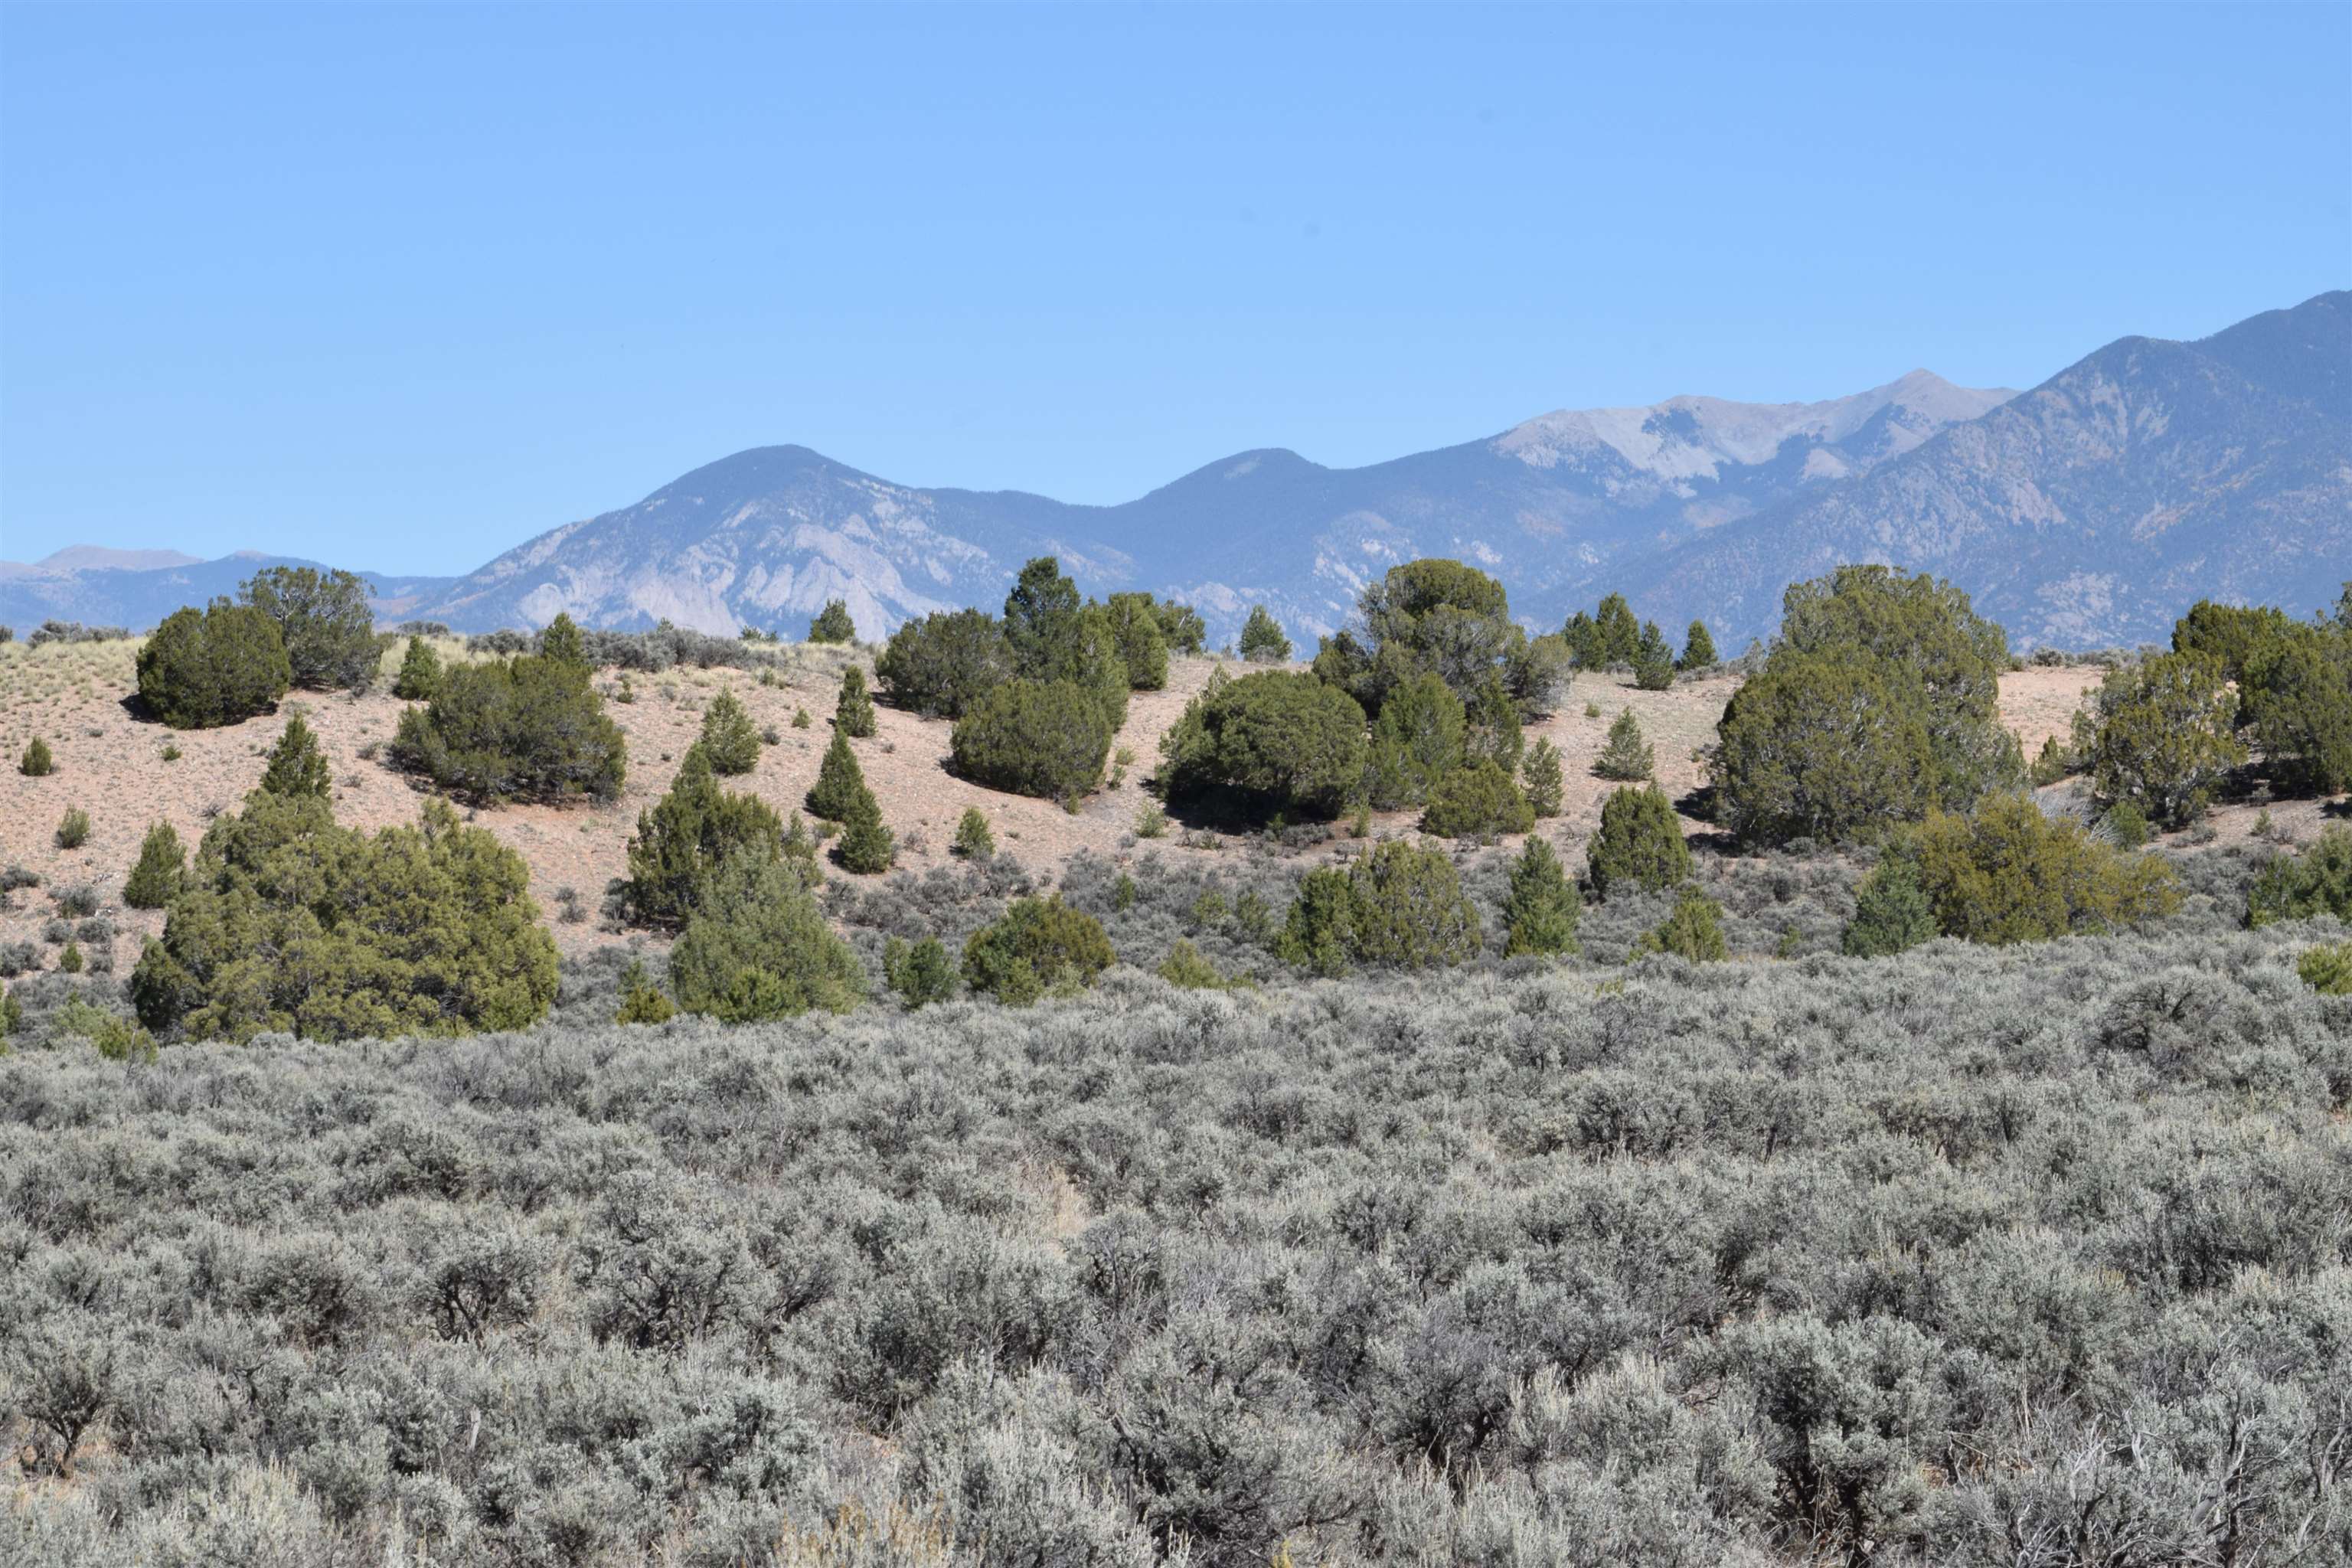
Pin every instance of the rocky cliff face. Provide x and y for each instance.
(2093, 508)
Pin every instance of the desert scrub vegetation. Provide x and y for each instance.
(1876, 706)
(1272, 742)
(529, 727)
(204, 669)
(1904, 1260)
(289, 922)
(324, 623)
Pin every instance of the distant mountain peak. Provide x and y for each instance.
(1689, 438)
(98, 558)
(2088, 512)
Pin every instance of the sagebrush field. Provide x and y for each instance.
(1999, 1257)
(1536, 1236)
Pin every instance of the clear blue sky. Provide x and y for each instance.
(401, 286)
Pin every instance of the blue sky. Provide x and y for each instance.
(401, 286)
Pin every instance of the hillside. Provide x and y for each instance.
(111, 765)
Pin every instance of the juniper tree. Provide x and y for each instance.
(832, 623)
(973, 841)
(1477, 800)
(1626, 757)
(297, 767)
(729, 742)
(866, 847)
(758, 948)
(1541, 780)
(685, 839)
(839, 781)
(2007, 873)
(2297, 886)
(1275, 741)
(642, 1001)
(1891, 912)
(37, 763)
(1047, 739)
(1693, 932)
(2051, 763)
(1877, 704)
(289, 922)
(161, 868)
(943, 664)
(1400, 905)
(853, 712)
(324, 623)
(526, 728)
(2160, 736)
(1698, 648)
(420, 672)
(1639, 843)
(1539, 916)
(204, 669)
(1035, 946)
(2298, 700)
(921, 973)
(1263, 641)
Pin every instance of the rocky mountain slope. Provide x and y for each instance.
(1555, 505)
(2093, 508)
(2090, 510)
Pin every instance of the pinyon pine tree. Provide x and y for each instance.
(1653, 659)
(833, 624)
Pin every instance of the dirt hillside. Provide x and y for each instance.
(121, 770)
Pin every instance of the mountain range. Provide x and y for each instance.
(2087, 511)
